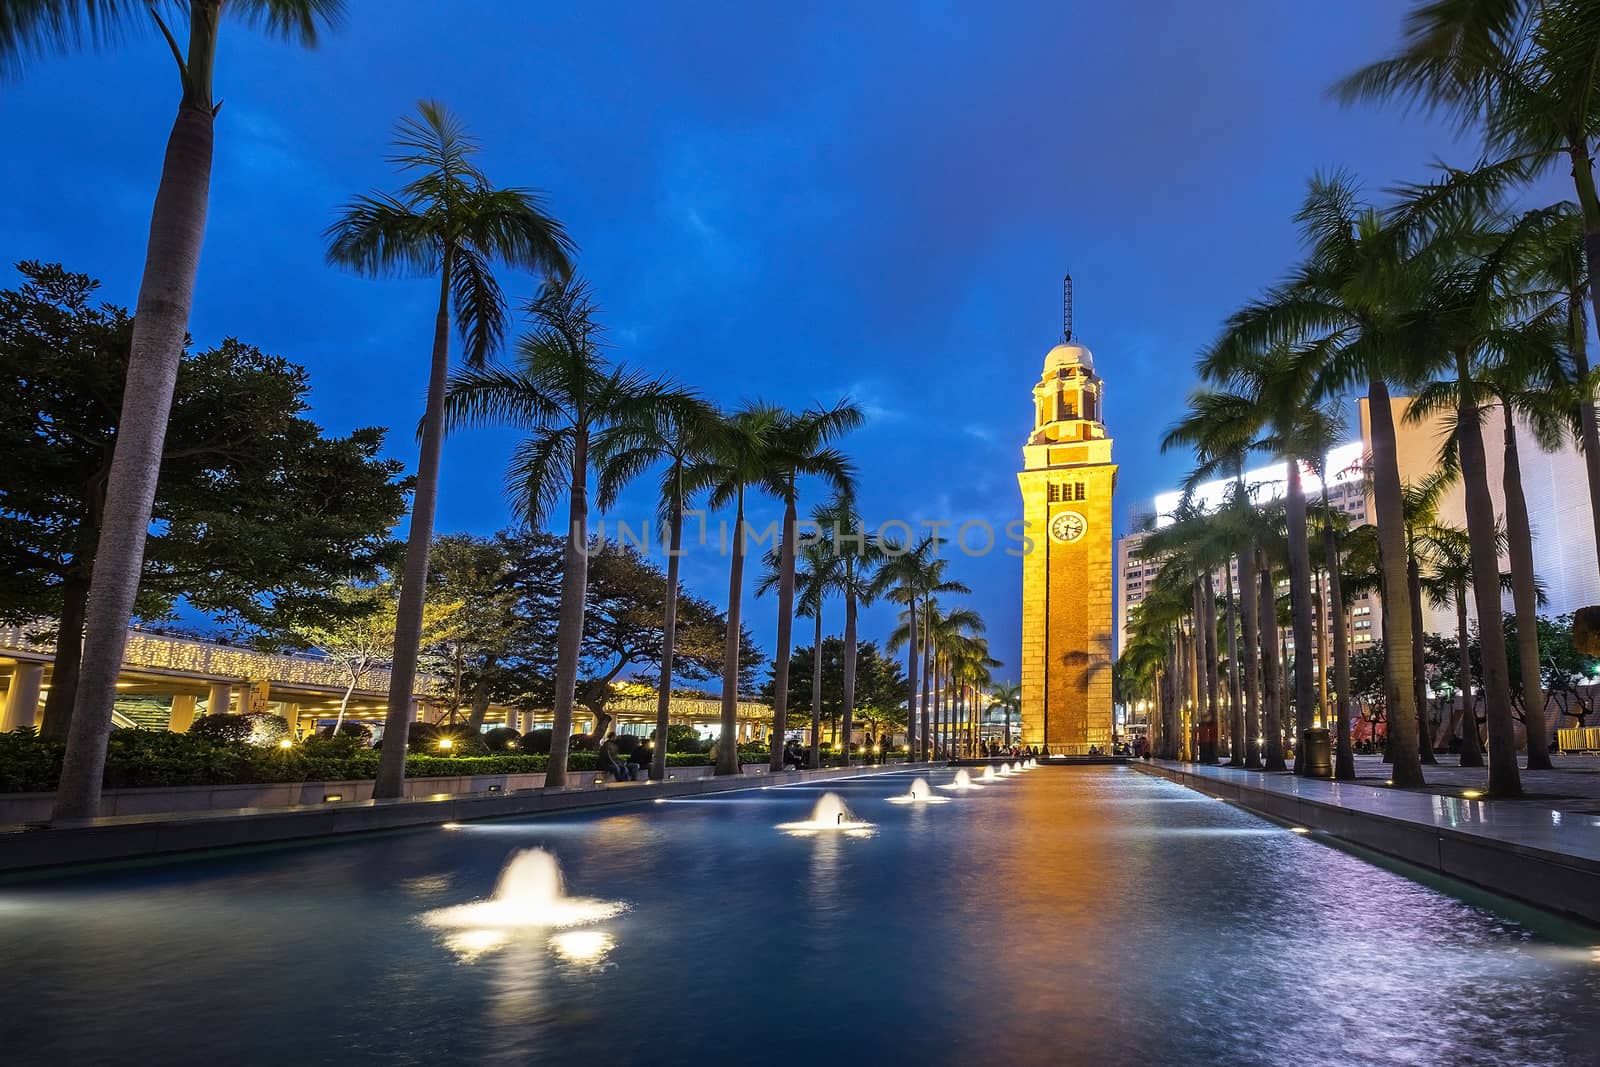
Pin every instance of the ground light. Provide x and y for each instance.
(286, 743)
(446, 744)
(1472, 794)
(1298, 830)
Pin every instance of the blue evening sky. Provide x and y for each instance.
(792, 202)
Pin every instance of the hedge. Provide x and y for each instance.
(156, 758)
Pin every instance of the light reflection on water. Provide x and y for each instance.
(1086, 915)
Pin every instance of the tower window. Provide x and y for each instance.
(1077, 491)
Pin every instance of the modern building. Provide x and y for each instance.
(1067, 482)
(1346, 494)
(1554, 484)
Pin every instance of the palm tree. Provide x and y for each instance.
(736, 460)
(911, 575)
(800, 447)
(814, 579)
(1349, 299)
(160, 323)
(567, 397)
(1526, 71)
(1008, 697)
(856, 556)
(678, 433)
(447, 222)
(1448, 553)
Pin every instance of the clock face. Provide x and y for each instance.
(1068, 526)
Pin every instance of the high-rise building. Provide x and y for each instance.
(1346, 493)
(1067, 483)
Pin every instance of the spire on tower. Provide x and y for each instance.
(1066, 308)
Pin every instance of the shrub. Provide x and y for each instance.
(343, 746)
(254, 728)
(627, 744)
(537, 741)
(582, 743)
(503, 739)
(358, 730)
(682, 738)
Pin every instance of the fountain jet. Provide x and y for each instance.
(529, 894)
(963, 781)
(919, 793)
(829, 814)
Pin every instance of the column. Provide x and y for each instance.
(291, 715)
(182, 716)
(416, 710)
(22, 699)
(217, 701)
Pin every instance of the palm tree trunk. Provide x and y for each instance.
(1419, 685)
(816, 691)
(1273, 728)
(414, 579)
(1236, 742)
(569, 625)
(1525, 598)
(1305, 684)
(1250, 608)
(927, 676)
(161, 320)
(1471, 750)
(780, 666)
(1406, 770)
(728, 742)
(1588, 423)
(912, 655)
(1206, 604)
(849, 694)
(669, 630)
(1344, 757)
(1589, 204)
(1504, 779)
(57, 721)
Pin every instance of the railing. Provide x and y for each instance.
(1579, 739)
(189, 656)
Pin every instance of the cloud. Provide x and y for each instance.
(868, 395)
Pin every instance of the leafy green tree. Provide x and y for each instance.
(624, 631)
(159, 334)
(258, 517)
(911, 575)
(448, 222)
(473, 652)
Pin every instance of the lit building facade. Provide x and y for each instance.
(1067, 483)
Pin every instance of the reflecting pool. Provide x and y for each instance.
(1089, 915)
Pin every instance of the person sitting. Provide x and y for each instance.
(610, 760)
(793, 755)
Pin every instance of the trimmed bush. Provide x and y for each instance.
(627, 744)
(503, 739)
(360, 731)
(537, 741)
(156, 758)
(682, 738)
(254, 727)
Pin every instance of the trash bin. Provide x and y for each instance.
(1318, 753)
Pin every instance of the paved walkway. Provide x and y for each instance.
(1524, 822)
(1573, 786)
(1524, 848)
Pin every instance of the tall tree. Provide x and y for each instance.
(257, 515)
(1007, 696)
(161, 320)
(912, 575)
(677, 433)
(737, 460)
(800, 446)
(447, 222)
(857, 555)
(565, 395)
(1350, 299)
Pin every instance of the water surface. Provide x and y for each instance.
(1088, 915)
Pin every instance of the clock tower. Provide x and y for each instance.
(1067, 482)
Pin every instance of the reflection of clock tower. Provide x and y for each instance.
(1067, 481)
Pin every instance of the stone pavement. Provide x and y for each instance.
(1573, 786)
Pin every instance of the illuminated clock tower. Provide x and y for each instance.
(1067, 481)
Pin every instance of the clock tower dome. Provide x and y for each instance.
(1067, 483)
